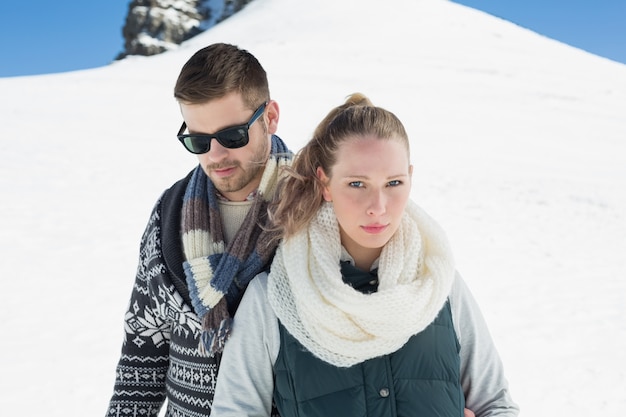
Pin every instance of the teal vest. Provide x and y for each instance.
(420, 379)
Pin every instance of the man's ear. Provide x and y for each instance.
(272, 112)
(325, 180)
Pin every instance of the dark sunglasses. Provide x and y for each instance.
(232, 137)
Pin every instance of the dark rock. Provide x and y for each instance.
(155, 26)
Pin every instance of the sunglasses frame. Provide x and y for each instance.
(207, 138)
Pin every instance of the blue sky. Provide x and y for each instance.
(43, 36)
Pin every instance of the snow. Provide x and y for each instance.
(519, 147)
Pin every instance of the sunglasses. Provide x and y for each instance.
(232, 137)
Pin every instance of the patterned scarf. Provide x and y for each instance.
(341, 325)
(217, 275)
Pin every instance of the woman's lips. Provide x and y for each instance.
(374, 228)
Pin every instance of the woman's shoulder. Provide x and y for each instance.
(460, 295)
(259, 282)
(255, 296)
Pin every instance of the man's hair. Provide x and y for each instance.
(220, 69)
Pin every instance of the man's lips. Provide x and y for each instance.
(224, 172)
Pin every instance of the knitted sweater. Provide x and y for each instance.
(160, 358)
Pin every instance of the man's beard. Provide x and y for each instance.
(252, 171)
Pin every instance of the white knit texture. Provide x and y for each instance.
(341, 325)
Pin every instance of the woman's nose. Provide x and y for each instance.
(376, 204)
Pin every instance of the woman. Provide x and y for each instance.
(362, 313)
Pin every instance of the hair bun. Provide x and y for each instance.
(358, 99)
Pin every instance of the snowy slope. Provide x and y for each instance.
(518, 143)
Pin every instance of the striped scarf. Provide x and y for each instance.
(218, 274)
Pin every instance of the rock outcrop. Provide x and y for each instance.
(155, 26)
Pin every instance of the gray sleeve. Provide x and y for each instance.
(245, 383)
(482, 375)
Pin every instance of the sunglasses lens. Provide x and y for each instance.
(197, 144)
(236, 137)
(231, 138)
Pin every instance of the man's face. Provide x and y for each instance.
(235, 172)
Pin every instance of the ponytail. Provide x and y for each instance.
(299, 195)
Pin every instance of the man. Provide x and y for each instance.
(205, 239)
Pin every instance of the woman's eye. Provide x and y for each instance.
(394, 183)
(356, 184)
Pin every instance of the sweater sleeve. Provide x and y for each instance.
(142, 367)
(245, 382)
(482, 374)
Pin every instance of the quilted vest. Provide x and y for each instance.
(420, 379)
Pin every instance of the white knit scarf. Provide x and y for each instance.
(341, 325)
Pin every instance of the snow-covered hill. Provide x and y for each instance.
(519, 147)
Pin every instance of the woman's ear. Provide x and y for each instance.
(325, 191)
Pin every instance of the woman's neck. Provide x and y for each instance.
(364, 258)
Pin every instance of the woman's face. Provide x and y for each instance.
(369, 187)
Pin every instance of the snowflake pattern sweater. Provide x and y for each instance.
(160, 357)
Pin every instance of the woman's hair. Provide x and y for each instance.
(299, 195)
(220, 69)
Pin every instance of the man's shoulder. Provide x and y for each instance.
(170, 208)
(179, 187)
(171, 199)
